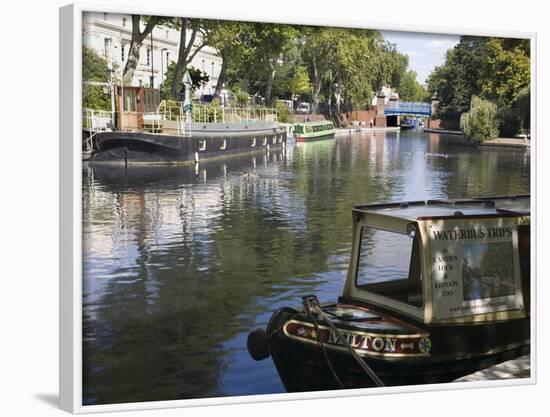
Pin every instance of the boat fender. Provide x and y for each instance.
(258, 344)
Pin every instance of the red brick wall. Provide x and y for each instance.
(364, 115)
(434, 124)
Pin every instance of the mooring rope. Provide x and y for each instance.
(312, 307)
(325, 353)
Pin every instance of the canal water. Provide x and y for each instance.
(181, 263)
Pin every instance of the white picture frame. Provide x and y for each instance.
(70, 206)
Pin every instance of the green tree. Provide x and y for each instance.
(410, 89)
(480, 124)
(522, 106)
(506, 71)
(138, 36)
(235, 42)
(95, 69)
(291, 80)
(320, 53)
(273, 41)
(198, 78)
(398, 66)
(194, 35)
(355, 62)
(508, 121)
(284, 115)
(495, 69)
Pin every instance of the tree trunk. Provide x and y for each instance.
(178, 71)
(221, 78)
(270, 78)
(184, 52)
(135, 45)
(316, 85)
(330, 97)
(246, 79)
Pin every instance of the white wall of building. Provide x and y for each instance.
(110, 35)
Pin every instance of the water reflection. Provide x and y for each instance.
(181, 262)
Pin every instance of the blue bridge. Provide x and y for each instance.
(403, 108)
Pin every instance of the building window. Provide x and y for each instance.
(213, 67)
(122, 52)
(167, 34)
(203, 66)
(148, 57)
(107, 47)
(104, 16)
(167, 58)
(124, 20)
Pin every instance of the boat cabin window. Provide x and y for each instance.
(389, 265)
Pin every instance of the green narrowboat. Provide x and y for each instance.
(307, 131)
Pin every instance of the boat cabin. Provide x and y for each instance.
(313, 127)
(443, 261)
(138, 105)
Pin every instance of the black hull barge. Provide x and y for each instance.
(452, 299)
(203, 143)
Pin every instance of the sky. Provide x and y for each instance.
(425, 50)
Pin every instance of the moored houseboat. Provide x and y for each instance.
(172, 135)
(435, 290)
(307, 131)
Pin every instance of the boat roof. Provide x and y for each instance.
(501, 206)
(319, 122)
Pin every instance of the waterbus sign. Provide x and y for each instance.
(475, 267)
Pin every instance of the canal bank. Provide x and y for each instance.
(443, 131)
(457, 137)
(512, 143)
(350, 130)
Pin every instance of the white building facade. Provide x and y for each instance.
(110, 35)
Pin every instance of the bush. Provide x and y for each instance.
(508, 121)
(284, 114)
(94, 97)
(241, 98)
(522, 106)
(479, 124)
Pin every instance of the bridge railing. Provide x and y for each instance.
(405, 107)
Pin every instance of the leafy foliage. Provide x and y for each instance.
(506, 70)
(522, 106)
(198, 78)
(95, 68)
(292, 80)
(480, 124)
(410, 89)
(494, 69)
(284, 114)
(508, 121)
